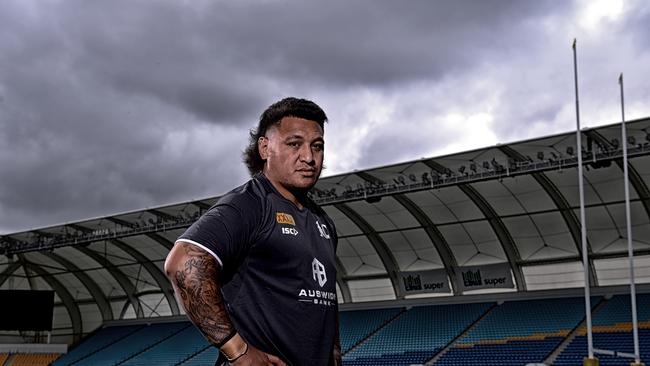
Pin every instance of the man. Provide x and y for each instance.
(256, 273)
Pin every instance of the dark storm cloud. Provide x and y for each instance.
(375, 42)
(151, 49)
(75, 142)
(637, 26)
(117, 105)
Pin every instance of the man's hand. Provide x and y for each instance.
(255, 357)
(245, 354)
(194, 276)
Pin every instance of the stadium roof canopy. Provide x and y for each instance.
(510, 208)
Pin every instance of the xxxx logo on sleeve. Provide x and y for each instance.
(284, 218)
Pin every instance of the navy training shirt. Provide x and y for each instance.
(278, 272)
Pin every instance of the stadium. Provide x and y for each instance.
(473, 258)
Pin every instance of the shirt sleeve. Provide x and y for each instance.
(227, 229)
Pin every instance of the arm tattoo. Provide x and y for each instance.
(198, 286)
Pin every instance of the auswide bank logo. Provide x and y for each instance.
(317, 297)
(318, 271)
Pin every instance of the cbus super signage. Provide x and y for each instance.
(419, 282)
(482, 277)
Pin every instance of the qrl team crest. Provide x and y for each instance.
(284, 218)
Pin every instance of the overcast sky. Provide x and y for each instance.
(112, 106)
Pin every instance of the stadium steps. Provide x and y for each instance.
(200, 350)
(7, 359)
(453, 342)
(363, 340)
(574, 332)
(154, 344)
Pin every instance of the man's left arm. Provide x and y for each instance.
(336, 351)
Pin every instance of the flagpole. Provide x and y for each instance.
(630, 251)
(585, 255)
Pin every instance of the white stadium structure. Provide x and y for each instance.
(497, 226)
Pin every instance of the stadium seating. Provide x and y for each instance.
(172, 350)
(205, 357)
(132, 344)
(416, 335)
(618, 311)
(512, 333)
(515, 353)
(613, 341)
(359, 324)
(612, 331)
(96, 342)
(517, 332)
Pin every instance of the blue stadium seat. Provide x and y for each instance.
(172, 350)
(415, 336)
(358, 324)
(517, 333)
(98, 341)
(134, 343)
(612, 330)
(513, 333)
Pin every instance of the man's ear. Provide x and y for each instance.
(263, 147)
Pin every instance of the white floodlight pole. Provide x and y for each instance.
(583, 224)
(628, 221)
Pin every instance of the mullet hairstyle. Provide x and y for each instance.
(287, 107)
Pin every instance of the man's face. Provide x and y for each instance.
(294, 151)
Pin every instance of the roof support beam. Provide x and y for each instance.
(382, 249)
(341, 273)
(154, 271)
(568, 215)
(635, 178)
(439, 241)
(65, 296)
(121, 278)
(120, 222)
(160, 240)
(436, 237)
(201, 205)
(162, 215)
(80, 228)
(8, 272)
(507, 243)
(89, 283)
(30, 277)
(125, 308)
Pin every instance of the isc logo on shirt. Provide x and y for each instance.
(284, 218)
(289, 231)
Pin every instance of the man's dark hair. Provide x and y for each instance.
(287, 107)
